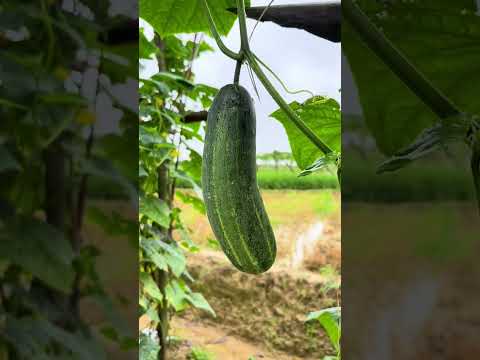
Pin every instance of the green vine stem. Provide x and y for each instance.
(245, 53)
(250, 57)
(238, 67)
(285, 107)
(242, 23)
(397, 62)
(213, 29)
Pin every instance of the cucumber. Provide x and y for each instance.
(234, 206)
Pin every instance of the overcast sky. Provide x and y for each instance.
(300, 59)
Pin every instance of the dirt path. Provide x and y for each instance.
(220, 343)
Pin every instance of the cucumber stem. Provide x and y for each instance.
(242, 22)
(299, 123)
(213, 29)
(397, 62)
(238, 67)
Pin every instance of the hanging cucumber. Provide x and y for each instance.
(234, 206)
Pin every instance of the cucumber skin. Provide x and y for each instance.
(234, 206)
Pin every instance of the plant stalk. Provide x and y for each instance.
(397, 62)
(213, 29)
(238, 67)
(242, 22)
(285, 107)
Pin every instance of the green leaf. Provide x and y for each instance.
(166, 76)
(330, 321)
(35, 338)
(193, 166)
(149, 347)
(180, 174)
(198, 301)
(176, 295)
(437, 38)
(430, 139)
(187, 16)
(63, 98)
(153, 254)
(141, 171)
(146, 47)
(150, 287)
(321, 163)
(149, 136)
(156, 209)
(187, 198)
(322, 115)
(173, 256)
(40, 249)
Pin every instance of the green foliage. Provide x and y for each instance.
(163, 140)
(281, 178)
(187, 16)
(148, 345)
(332, 278)
(322, 115)
(330, 320)
(46, 268)
(284, 178)
(198, 353)
(441, 48)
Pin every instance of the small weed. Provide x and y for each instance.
(213, 244)
(198, 353)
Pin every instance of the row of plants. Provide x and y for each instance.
(55, 64)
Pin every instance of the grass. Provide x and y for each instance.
(284, 178)
(198, 353)
(284, 207)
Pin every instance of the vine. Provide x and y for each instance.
(246, 53)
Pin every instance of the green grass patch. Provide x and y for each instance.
(282, 178)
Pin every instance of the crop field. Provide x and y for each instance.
(285, 178)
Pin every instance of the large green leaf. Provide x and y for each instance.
(156, 209)
(146, 48)
(441, 39)
(330, 320)
(150, 287)
(35, 338)
(40, 249)
(322, 115)
(187, 16)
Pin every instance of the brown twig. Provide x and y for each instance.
(195, 116)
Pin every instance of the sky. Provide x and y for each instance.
(300, 59)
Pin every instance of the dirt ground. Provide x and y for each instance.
(264, 316)
(266, 311)
(223, 344)
(418, 298)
